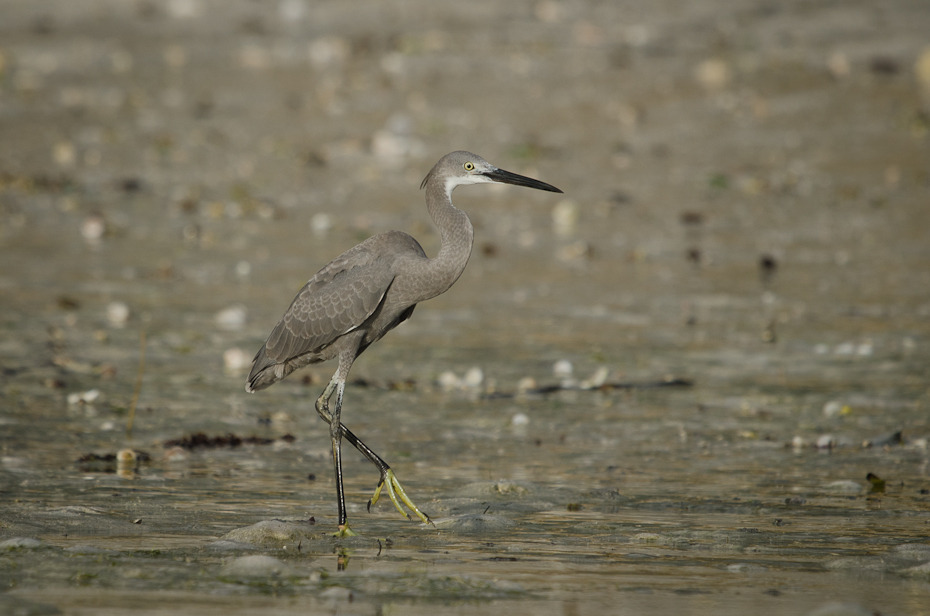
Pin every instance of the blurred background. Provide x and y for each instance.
(738, 273)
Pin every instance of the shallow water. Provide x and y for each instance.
(738, 275)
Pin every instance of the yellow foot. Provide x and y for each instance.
(398, 495)
(345, 531)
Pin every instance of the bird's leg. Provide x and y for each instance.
(388, 480)
(336, 386)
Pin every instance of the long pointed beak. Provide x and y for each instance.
(506, 177)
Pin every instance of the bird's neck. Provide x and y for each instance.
(456, 234)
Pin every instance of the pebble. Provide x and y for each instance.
(117, 313)
(473, 379)
(328, 51)
(574, 252)
(184, 9)
(64, 153)
(921, 571)
(835, 608)
(838, 65)
(231, 318)
(258, 565)
(236, 359)
(746, 568)
(275, 533)
(475, 523)
(243, 269)
(223, 545)
(291, 11)
(834, 408)
(565, 217)
(843, 486)
(176, 454)
(83, 397)
(93, 228)
(321, 223)
(337, 594)
(20, 543)
(597, 379)
(563, 369)
(922, 72)
(395, 141)
(713, 74)
(526, 384)
(449, 381)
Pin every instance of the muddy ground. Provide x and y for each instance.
(696, 382)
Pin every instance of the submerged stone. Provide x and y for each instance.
(475, 523)
(258, 566)
(20, 543)
(276, 533)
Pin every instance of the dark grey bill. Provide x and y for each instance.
(506, 177)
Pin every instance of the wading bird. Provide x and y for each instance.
(366, 292)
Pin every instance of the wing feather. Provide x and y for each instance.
(338, 299)
(335, 301)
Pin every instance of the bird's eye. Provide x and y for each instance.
(469, 166)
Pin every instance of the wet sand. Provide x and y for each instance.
(697, 382)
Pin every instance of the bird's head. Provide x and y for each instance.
(460, 168)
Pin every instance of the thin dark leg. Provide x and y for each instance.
(336, 435)
(322, 408)
(364, 449)
(337, 431)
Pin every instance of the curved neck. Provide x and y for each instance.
(456, 234)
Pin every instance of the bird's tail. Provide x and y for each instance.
(263, 372)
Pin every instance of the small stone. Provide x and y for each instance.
(93, 228)
(474, 377)
(184, 9)
(336, 594)
(274, 533)
(449, 381)
(563, 369)
(922, 71)
(838, 65)
(565, 217)
(526, 384)
(597, 379)
(258, 566)
(835, 408)
(328, 50)
(64, 153)
(236, 359)
(321, 223)
(243, 269)
(231, 318)
(843, 486)
(20, 543)
(476, 523)
(713, 74)
(117, 314)
(83, 397)
(841, 609)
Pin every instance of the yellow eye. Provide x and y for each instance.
(469, 166)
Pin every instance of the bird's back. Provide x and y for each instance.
(337, 300)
